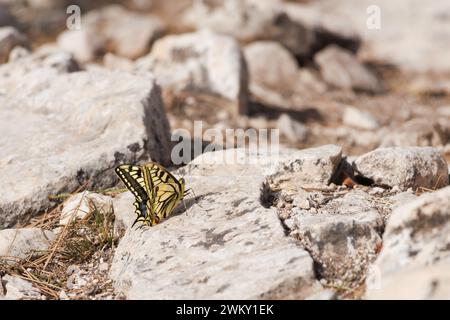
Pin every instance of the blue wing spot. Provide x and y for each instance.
(143, 209)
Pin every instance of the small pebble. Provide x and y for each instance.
(289, 223)
(377, 190)
(103, 266)
(63, 295)
(72, 269)
(303, 204)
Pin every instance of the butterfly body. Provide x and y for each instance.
(157, 192)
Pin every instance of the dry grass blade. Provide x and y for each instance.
(422, 190)
(111, 191)
(50, 219)
(63, 233)
(77, 243)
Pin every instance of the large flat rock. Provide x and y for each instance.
(309, 167)
(415, 252)
(59, 131)
(18, 243)
(201, 61)
(341, 232)
(405, 167)
(226, 246)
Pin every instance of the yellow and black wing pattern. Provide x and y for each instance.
(156, 190)
(168, 191)
(133, 178)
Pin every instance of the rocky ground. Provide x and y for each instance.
(355, 204)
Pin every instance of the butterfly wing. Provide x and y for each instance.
(134, 179)
(167, 190)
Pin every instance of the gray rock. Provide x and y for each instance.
(407, 167)
(350, 136)
(72, 129)
(270, 65)
(444, 111)
(251, 161)
(10, 38)
(293, 130)
(81, 44)
(417, 132)
(402, 198)
(112, 28)
(415, 249)
(79, 206)
(18, 289)
(270, 97)
(354, 117)
(18, 52)
(18, 243)
(226, 245)
(425, 283)
(342, 235)
(63, 295)
(6, 18)
(307, 168)
(376, 190)
(201, 61)
(341, 69)
(401, 39)
(114, 62)
(48, 60)
(123, 211)
(417, 233)
(103, 266)
(46, 4)
(258, 122)
(275, 78)
(327, 28)
(251, 20)
(76, 281)
(309, 82)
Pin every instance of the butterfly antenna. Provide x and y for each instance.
(185, 208)
(195, 197)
